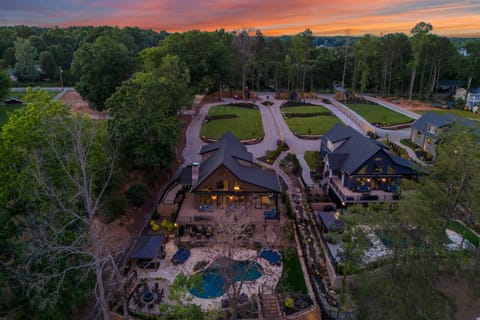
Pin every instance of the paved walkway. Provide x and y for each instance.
(276, 129)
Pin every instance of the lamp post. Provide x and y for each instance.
(61, 77)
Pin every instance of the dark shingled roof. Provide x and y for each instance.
(148, 247)
(229, 144)
(356, 150)
(227, 150)
(339, 132)
(438, 120)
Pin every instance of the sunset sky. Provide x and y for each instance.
(272, 17)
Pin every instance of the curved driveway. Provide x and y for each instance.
(275, 129)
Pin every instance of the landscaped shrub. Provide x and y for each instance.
(167, 225)
(243, 105)
(397, 149)
(272, 155)
(137, 193)
(306, 115)
(221, 116)
(289, 303)
(297, 104)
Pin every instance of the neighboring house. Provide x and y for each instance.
(427, 129)
(359, 169)
(451, 85)
(226, 180)
(473, 98)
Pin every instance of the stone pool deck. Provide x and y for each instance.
(168, 271)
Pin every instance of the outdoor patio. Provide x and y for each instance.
(348, 196)
(167, 272)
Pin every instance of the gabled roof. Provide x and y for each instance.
(356, 150)
(339, 132)
(438, 120)
(148, 247)
(230, 145)
(227, 152)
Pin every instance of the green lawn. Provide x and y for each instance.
(409, 143)
(304, 109)
(292, 275)
(461, 113)
(4, 108)
(248, 125)
(312, 158)
(312, 125)
(316, 125)
(375, 113)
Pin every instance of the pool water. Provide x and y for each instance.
(213, 284)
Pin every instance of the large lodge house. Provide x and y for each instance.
(227, 180)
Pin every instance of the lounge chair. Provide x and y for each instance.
(181, 256)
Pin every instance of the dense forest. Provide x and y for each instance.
(402, 64)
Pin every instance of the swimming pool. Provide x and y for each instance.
(213, 283)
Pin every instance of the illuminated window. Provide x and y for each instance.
(364, 170)
(390, 170)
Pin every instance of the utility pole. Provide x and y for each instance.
(347, 39)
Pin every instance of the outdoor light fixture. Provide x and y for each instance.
(214, 197)
(368, 179)
(236, 187)
(384, 180)
(230, 197)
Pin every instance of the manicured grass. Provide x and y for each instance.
(465, 232)
(409, 143)
(375, 113)
(247, 125)
(461, 113)
(312, 125)
(304, 109)
(312, 157)
(292, 276)
(5, 108)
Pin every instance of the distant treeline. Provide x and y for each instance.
(404, 64)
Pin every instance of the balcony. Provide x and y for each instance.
(348, 196)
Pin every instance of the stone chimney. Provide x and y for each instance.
(195, 171)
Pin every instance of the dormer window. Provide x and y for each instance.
(330, 145)
(432, 129)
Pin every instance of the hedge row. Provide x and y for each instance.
(243, 105)
(397, 149)
(221, 116)
(297, 104)
(307, 115)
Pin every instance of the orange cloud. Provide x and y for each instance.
(273, 17)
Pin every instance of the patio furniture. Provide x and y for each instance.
(181, 255)
(272, 256)
(209, 231)
(270, 214)
(205, 208)
(363, 188)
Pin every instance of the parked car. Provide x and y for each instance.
(13, 101)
